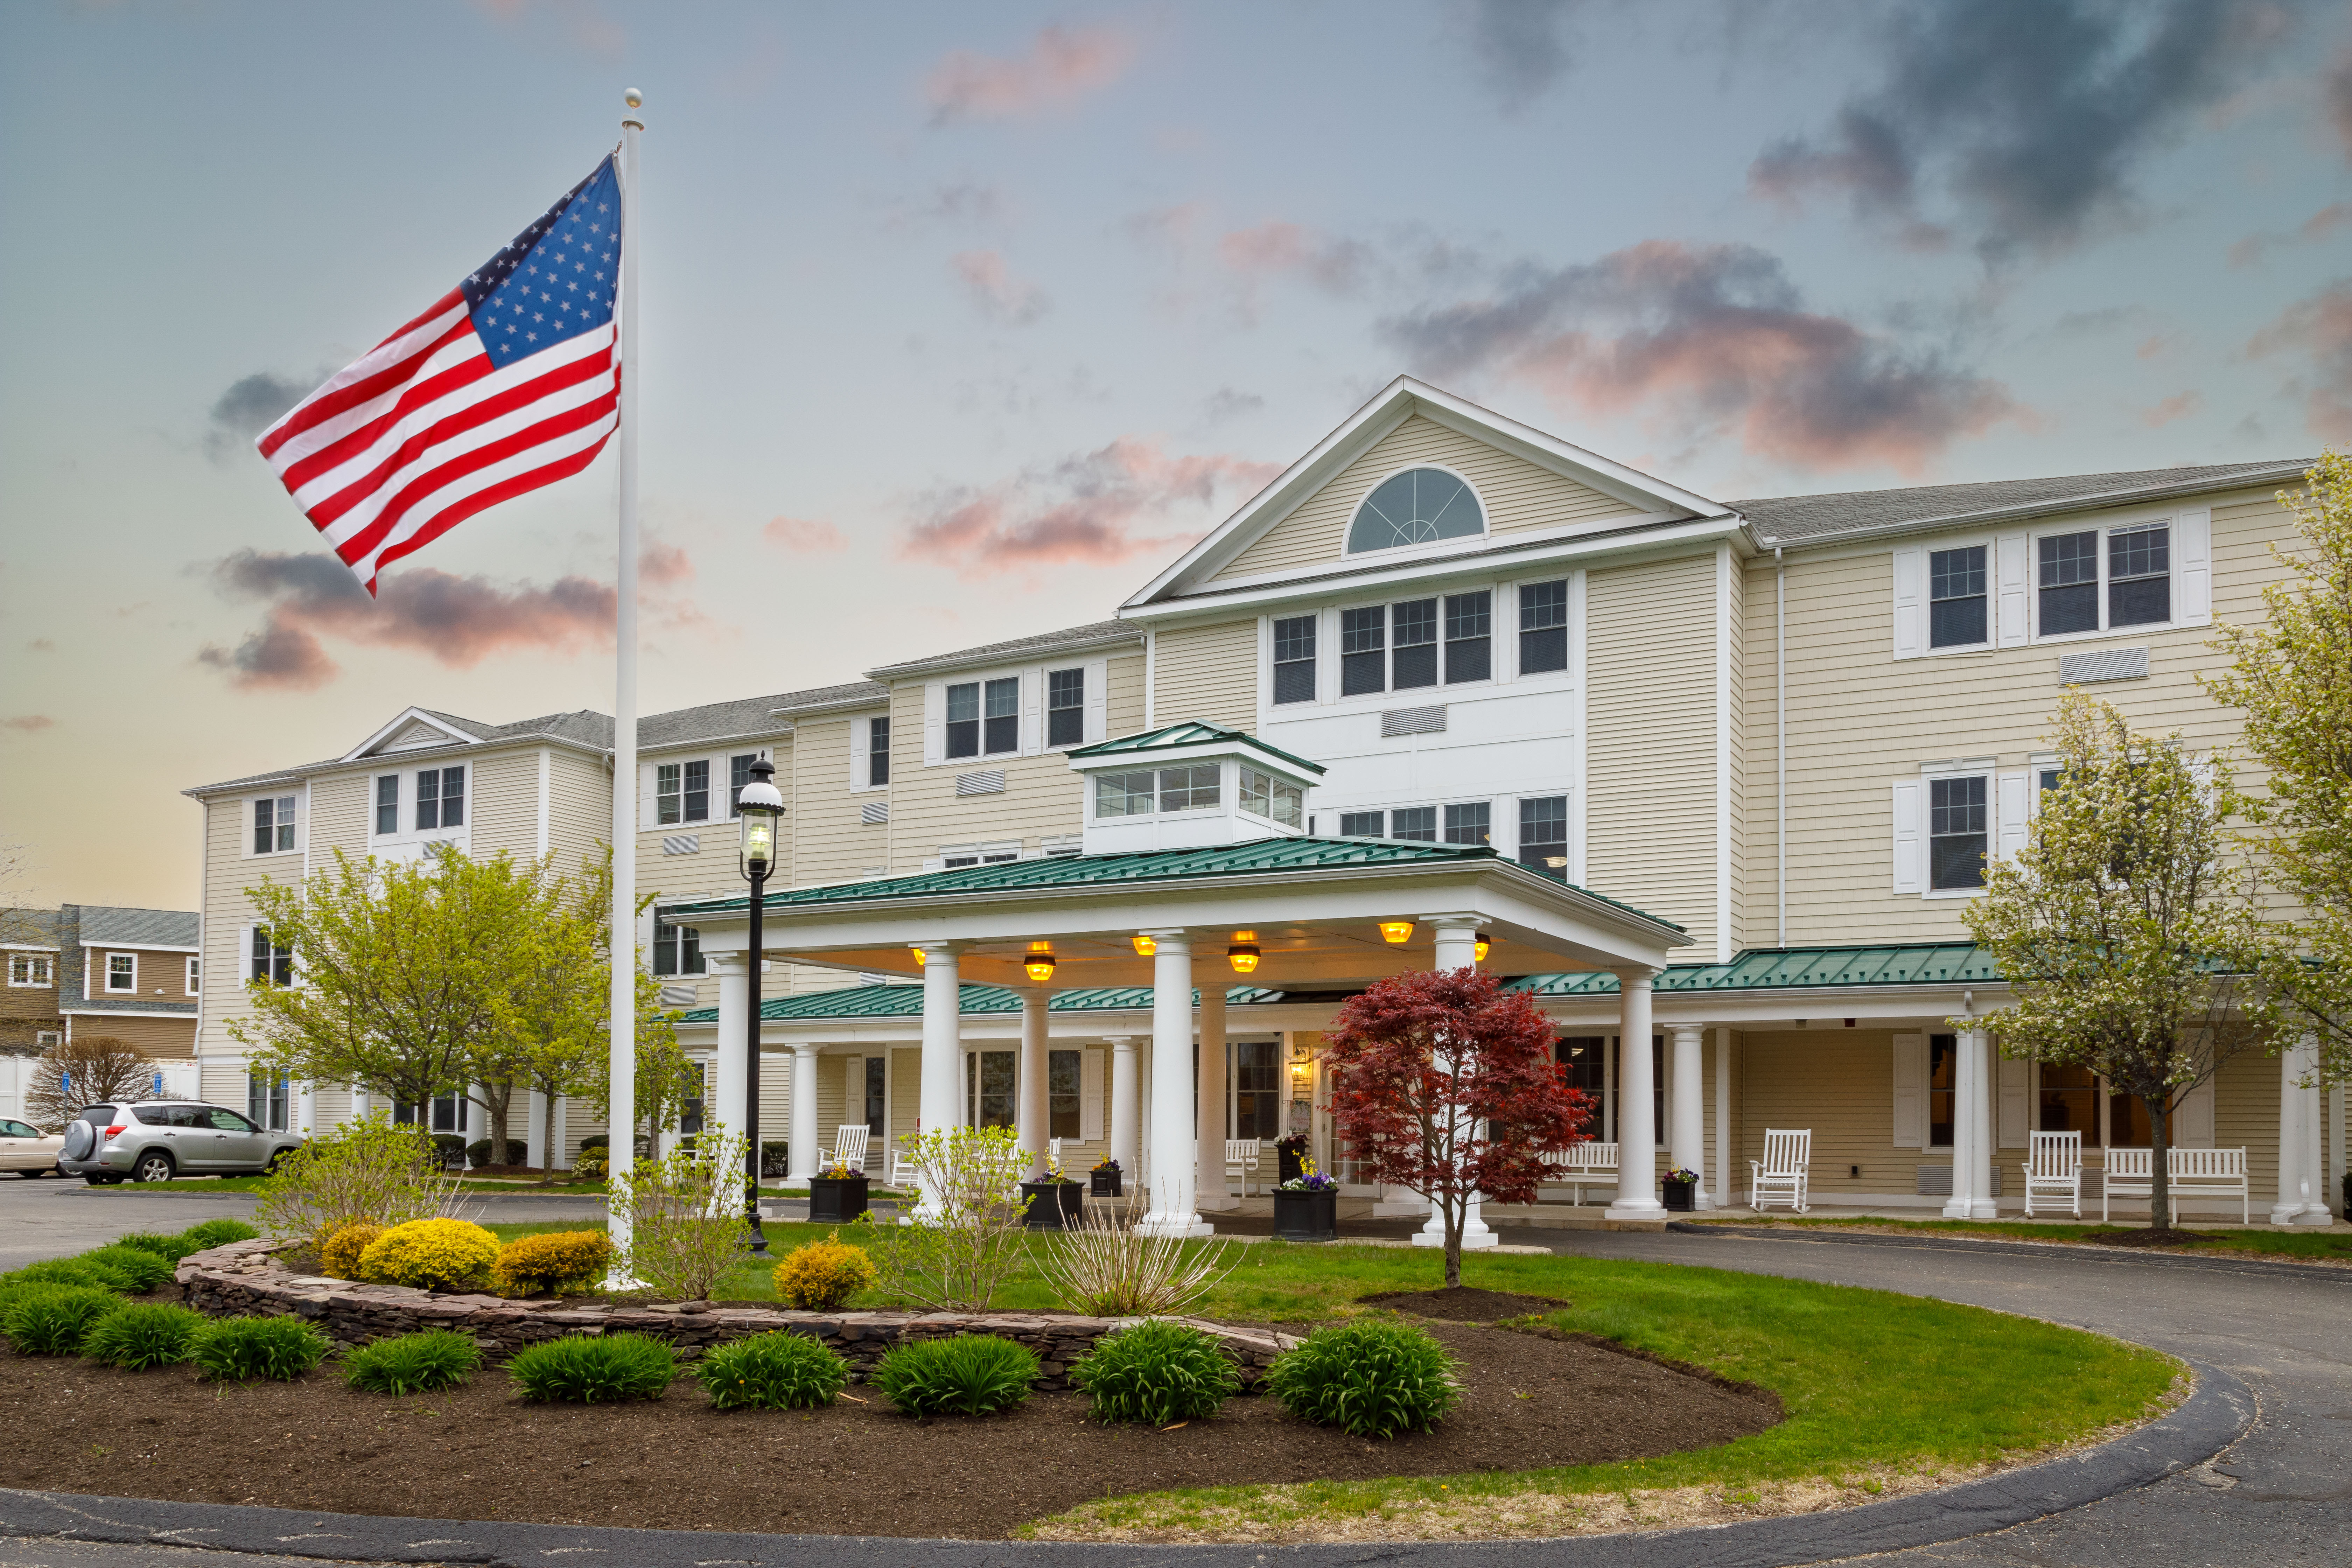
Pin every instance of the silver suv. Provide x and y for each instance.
(155, 1141)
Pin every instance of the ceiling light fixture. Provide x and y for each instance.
(1040, 966)
(1145, 947)
(1243, 957)
(1396, 932)
(1485, 941)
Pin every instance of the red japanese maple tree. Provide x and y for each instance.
(1444, 1082)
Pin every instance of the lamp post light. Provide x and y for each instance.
(757, 808)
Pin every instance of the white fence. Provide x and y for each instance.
(174, 1080)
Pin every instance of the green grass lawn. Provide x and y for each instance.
(2288, 1243)
(1871, 1382)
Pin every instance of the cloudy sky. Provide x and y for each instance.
(961, 321)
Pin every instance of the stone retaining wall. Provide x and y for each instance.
(245, 1278)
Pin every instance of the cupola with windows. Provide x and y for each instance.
(1189, 786)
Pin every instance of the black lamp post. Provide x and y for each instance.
(758, 808)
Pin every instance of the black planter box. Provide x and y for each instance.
(1053, 1206)
(1681, 1196)
(1306, 1216)
(1104, 1184)
(836, 1200)
(1293, 1164)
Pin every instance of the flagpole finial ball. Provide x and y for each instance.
(634, 99)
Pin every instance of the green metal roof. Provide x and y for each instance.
(1757, 969)
(1188, 733)
(1794, 968)
(1302, 856)
(907, 1002)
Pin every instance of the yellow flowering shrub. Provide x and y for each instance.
(339, 1255)
(562, 1260)
(432, 1255)
(823, 1274)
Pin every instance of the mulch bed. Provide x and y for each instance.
(1461, 1304)
(854, 1469)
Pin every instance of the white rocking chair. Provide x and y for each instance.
(905, 1171)
(1240, 1160)
(1781, 1175)
(1053, 1153)
(850, 1144)
(2054, 1171)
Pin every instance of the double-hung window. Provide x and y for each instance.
(1543, 627)
(1065, 707)
(1957, 599)
(1397, 648)
(1468, 824)
(1469, 637)
(122, 972)
(985, 718)
(1257, 1090)
(28, 969)
(878, 752)
(1959, 831)
(387, 805)
(739, 773)
(682, 792)
(1363, 650)
(1062, 1095)
(270, 961)
(678, 950)
(1293, 660)
(440, 798)
(266, 1101)
(1543, 836)
(194, 973)
(1414, 662)
(2133, 566)
(273, 824)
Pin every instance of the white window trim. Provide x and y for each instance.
(2019, 625)
(45, 957)
(861, 754)
(302, 799)
(1930, 549)
(2180, 572)
(1228, 788)
(1503, 646)
(409, 842)
(1986, 768)
(995, 852)
(1414, 552)
(194, 977)
(1028, 712)
(1094, 704)
(109, 988)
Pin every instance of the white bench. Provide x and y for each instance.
(1579, 1163)
(1784, 1171)
(2189, 1173)
(2054, 1171)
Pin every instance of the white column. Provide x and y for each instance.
(2335, 1150)
(535, 1136)
(306, 1111)
(1456, 944)
(1971, 1129)
(1985, 1205)
(1686, 1106)
(1173, 1141)
(2301, 1197)
(732, 1079)
(942, 1041)
(562, 1152)
(1126, 1111)
(802, 1155)
(1722, 1194)
(1029, 1116)
(1211, 1194)
(1637, 1174)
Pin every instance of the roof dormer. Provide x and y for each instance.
(1190, 786)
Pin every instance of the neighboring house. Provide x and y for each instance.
(1792, 729)
(133, 974)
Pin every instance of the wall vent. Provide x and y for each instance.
(875, 812)
(1412, 721)
(2106, 664)
(682, 844)
(989, 782)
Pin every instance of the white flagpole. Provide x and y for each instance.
(620, 1152)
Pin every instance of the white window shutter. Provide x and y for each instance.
(2011, 553)
(1033, 712)
(936, 863)
(1090, 1096)
(853, 1095)
(2010, 1119)
(2192, 568)
(1910, 867)
(861, 736)
(1910, 1092)
(645, 806)
(1098, 701)
(2192, 1119)
(1910, 601)
(934, 720)
(2013, 805)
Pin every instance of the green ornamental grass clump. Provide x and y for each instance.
(1155, 1374)
(580, 1370)
(412, 1363)
(214, 1233)
(64, 1271)
(241, 1350)
(971, 1374)
(777, 1371)
(169, 1248)
(1369, 1379)
(50, 1320)
(135, 1270)
(137, 1335)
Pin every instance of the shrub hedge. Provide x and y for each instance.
(559, 1261)
(822, 1275)
(432, 1255)
(340, 1254)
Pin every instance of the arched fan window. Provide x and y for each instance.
(1419, 506)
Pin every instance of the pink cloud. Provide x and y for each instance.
(2179, 406)
(2318, 225)
(1711, 338)
(804, 534)
(1277, 246)
(2320, 329)
(998, 295)
(29, 722)
(1062, 65)
(1096, 508)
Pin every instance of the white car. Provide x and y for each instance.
(29, 1151)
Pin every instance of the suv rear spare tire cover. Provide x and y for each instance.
(80, 1139)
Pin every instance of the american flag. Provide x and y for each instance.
(511, 381)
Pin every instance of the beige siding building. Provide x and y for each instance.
(1793, 729)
